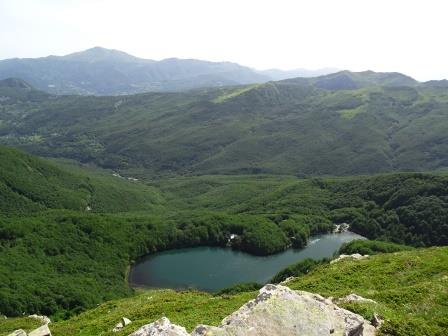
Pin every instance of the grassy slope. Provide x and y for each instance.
(185, 308)
(285, 127)
(410, 288)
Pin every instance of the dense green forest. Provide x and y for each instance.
(341, 124)
(408, 209)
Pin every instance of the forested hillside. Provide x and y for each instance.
(29, 184)
(65, 258)
(299, 127)
(270, 168)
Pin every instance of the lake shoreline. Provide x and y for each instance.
(210, 269)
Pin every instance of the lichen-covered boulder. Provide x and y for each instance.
(120, 325)
(355, 256)
(41, 331)
(355, 298)
(161, 327)
(280, 311)
(276, 311)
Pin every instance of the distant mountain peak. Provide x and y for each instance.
(99, 49)
(100, 54)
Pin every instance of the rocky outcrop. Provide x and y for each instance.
(162, 327)
(41, 331)
(123, 323)
(340, 228)
(355, 256)
(277, 310)
(355, 298)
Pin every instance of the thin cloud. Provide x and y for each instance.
(398, 35)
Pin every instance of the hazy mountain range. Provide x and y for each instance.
(101, 71)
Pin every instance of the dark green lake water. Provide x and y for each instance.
(214, 268)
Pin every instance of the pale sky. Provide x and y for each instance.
(395, 35)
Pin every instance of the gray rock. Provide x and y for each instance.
(288, 279)
(355, 298)
(276, 311)
(123, 323)
(41, 331)
(355, 256)
(162, 327)
(280, 311)
(340, 228)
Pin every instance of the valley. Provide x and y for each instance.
(244, 175)
(223, 168)
(73, 258)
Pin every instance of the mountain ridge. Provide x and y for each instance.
(293, 127)
(102, 71)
